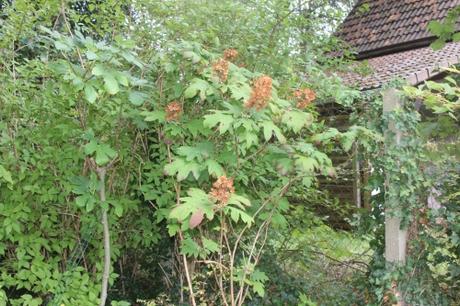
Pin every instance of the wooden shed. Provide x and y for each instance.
(390, 38)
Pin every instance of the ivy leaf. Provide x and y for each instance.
(80, 185)
(456, 37)
(283, 204)
(438, 44)
(435, 27)
(80, 201)
(137, 98)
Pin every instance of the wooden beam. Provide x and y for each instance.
(357, 178)
(395, 237)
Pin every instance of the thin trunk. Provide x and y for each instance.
(187, 275)
(105, 225)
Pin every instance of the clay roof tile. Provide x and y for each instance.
(391, 22)
(415, 66)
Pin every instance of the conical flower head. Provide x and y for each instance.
(173, 111)
(304, 97)
(261, 93)
(222, 189)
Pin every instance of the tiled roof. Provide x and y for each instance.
(383, 24)
(415, 66)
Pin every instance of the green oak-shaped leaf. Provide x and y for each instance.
(219, 118)
(296, 120)
(271, 129)
(196, 200)
(104, 153)
(183, 169)
(214, 168)
(196, 86)
(237, 214)
(306, 164)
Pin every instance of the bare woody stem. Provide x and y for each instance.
(282, 191)
(187, 274)
(184, 258)
(105, 225)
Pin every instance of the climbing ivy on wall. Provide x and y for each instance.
(414, 178)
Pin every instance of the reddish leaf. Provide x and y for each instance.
(196, 218)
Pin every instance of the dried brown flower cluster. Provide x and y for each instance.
(173, 111)
(222, 189)
(304, 97)
(230, 54)
(261, 93)
(220, 68)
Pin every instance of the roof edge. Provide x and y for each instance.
(405, 46)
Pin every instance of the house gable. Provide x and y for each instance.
(376, 27)
(391, 36)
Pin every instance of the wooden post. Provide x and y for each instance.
(395, 237)
(357, 180)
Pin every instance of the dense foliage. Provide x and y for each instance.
(171, 153)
